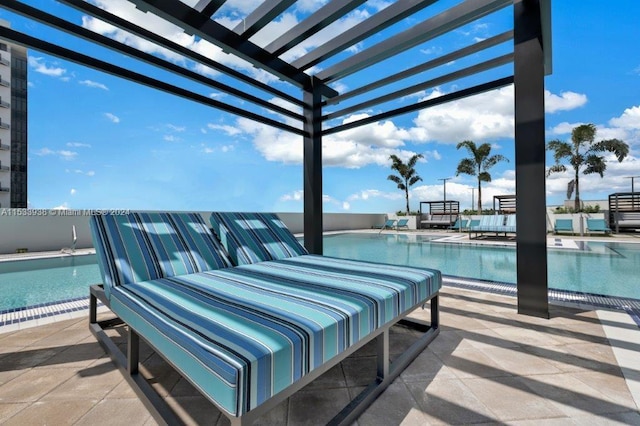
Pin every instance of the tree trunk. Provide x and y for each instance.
(406, 193)
(576, 205)
(479, 197)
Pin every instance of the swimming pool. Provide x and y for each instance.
(40, 281)
(606, 268)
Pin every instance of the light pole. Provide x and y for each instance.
(445, 186)
(633, 195)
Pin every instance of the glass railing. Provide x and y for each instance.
(4, 147)
(3, 61)
(4, 125)
(4, 168)
(4, 83)
(4, 104)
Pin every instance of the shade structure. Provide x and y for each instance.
(318, 76)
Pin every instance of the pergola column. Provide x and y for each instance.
(531, 237)
(312, 167)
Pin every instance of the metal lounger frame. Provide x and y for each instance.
(386, 371)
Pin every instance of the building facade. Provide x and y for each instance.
(13, 125)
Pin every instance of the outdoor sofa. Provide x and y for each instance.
(247, 316)
(494, 224)
(438, 220)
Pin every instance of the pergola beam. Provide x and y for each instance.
(456, 75)
(79, 58)
(441, 60)
(323, 17)
(444, 22)
(464, 93)
(116, 46)
(123, 24)
(376, 23)
(208, 7)
(192, 22)
(261, 16)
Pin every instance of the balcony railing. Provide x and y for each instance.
(4, 168)
(4, 83)
(4, 188)
(4, 147)
(3, 61)
(4, 104)
(4, 125)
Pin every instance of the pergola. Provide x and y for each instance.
(401, 26)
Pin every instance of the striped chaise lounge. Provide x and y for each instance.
(247, 337)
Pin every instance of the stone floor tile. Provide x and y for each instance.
(509, 398)
(426, 366)
(195, 410)
(576, 358)
(334, 378)
(573, 398)
(472, 363)
(612, 386)
(519, 362)
(90, 383)
(51, 413)
(125, 412)
(33, 384)
(9, 409)
(316, 407)
(396, 406)
(449, 401)
(359, 371)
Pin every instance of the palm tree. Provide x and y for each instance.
(408, 176)
(478, 164)
(583, 137)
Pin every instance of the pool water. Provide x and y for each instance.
(606, 268)
(39, 281)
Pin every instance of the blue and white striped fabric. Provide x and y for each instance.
(138, 247)
(255, 237)
(244, 334)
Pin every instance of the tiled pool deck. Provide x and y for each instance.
(489, 365)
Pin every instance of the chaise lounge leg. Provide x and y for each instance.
(133, 351)
(382, 343)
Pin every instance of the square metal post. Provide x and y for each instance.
(312, 163)
(531, 238)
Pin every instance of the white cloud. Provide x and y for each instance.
(176, 128)
(93, 84)
(171, 138)
(565, 102)
(112, 117)
(630, 119)
(30, 84)
(293, 196)
(73, 191)
(81, 172)
(78, 145)
(367, 194)
(227, 148)
(64, 154)
(484, 116)
(63, 206)
(90, 173)
(229, 130)
(41, 67)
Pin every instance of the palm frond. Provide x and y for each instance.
(595, 164)
(556, 168)
(467, 167)
(618, 147)
(484, 177)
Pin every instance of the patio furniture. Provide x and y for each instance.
(402, 223)
(441, 214)
(488, 224)
(389, 223)
(563, 225)
(460, 225)
(247, 337)
(597, 225)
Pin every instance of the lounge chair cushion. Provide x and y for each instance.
(244, 334)
(255, 237)
(138, 247)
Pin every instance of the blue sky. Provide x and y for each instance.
(97, 141)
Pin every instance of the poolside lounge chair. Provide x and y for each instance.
(510, 224)
(460, 224)
(563, 225)
(389, 223)
(248, 318)
(402, 223)
(597, 225)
